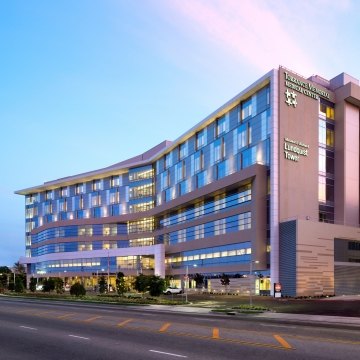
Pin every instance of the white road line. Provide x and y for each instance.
(282, 326)
(27, 327)
(166, 353)
(79, 337)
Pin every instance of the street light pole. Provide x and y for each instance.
(186, 283)
(251, 280)
(108, 274)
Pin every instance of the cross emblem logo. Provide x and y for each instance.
(290, 98)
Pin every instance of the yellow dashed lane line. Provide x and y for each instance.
(65, 316)
(164, 327)
(234, 341)
(123, 323)
(283, 342)
(92, 318)
(215, 332)
(43, 313)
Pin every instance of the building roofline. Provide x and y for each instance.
(154, 153)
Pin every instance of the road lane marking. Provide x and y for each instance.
(92, 318)
(226, 340)
(79, 337)
(27, 327)
(312, 338)
(166, 353)
(164, 327)
(282, 326)
(123, 323)
(283, 342)
(24, 311)
(65, 316)
(215, 334)
(42, 313)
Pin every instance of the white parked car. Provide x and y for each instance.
(172, 290)
(39, 287)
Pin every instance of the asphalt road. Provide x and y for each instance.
(38, 329)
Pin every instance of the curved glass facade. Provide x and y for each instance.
(131, 208)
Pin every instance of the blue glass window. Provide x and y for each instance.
(201, 179)
(222, 169)
(201, 139)
(221, 125)
(183, 187)
(246, 109)
(183, 150)
(219, 150)
(198, 161)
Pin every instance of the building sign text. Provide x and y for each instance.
(304, 87)
(294, 149)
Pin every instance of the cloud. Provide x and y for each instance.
(246, 29)
(256, 32)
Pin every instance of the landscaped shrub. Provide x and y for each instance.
(77, 290)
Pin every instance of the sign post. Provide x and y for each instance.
(277, 290)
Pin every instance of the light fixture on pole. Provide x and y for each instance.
(186, 282)
(108, 273)
(251, 280)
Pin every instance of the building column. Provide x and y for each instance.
(159, 258)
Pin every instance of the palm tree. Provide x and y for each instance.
(19, 268)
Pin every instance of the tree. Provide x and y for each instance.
(32, 285)
(19, 268)
(102, 285)
(4, 277)
(199, 279)
(156, 285)
(141, 283)
(20, 273)
(48, 285)
(5, 270)
(19, 285)
(59, 285)
(168, 280)
(225, 281)
(121, 287)
(77, 290)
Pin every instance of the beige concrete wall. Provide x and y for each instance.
(347, 164)
(298, 179)
(347, 154)
(315, 256)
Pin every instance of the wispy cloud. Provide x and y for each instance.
(245, 28)
(263, 34)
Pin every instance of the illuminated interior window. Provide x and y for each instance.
(135, 208)
(143, 225)
(141, 242)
